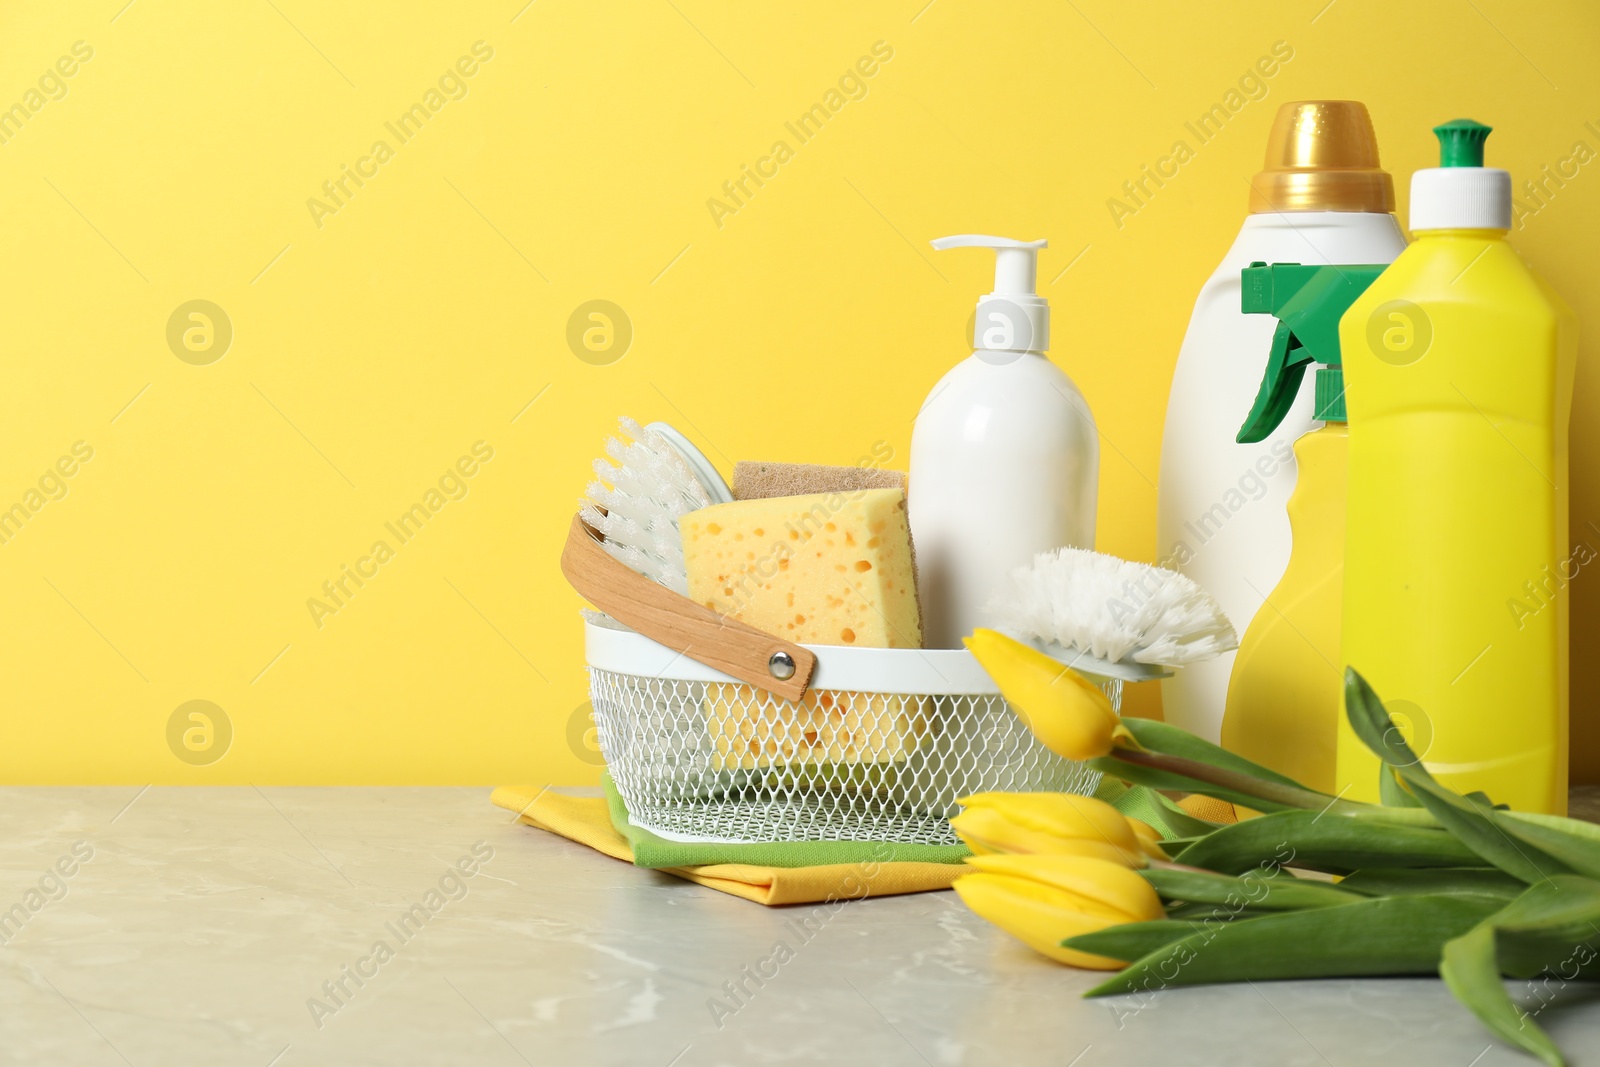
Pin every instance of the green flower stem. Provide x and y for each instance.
(1239, 783)
(1173, 865)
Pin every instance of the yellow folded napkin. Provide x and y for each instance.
(587, 820)
(1209, 808)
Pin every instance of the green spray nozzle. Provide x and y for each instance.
(1461, 142)
(1308, 302)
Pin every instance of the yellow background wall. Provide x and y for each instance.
(373, 346)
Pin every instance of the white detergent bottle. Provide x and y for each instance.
(1005, 458)
(1221, 517)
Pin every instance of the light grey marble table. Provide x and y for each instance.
(216, 926)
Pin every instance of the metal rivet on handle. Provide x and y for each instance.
(781, 666)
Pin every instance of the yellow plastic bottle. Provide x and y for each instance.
(1459, 364)
(1286, 690)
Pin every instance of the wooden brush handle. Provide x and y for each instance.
(719, 641)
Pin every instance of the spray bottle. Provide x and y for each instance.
(1005, 457)
(1286, 692)
(1321, 198)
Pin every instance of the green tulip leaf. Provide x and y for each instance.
(1378, 936)
(1164, 816)
(1469, 967)
(1392, 793)
(1371, 723)
(1337, 843)
(1406, 881)
(1480, 798)
(1545, 930)
(1553, 927)
(1179, 818)
(1470, 820)
(1200, 912)
(1274, 890)
(1572, 841)
(1565, 898)
(1129, 941)
(1373, 813)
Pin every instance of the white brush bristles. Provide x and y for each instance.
(1114, 609)
(636, 502)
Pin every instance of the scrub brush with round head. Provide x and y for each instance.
(640, 492)
(1112, 617)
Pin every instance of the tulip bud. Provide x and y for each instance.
(1049, 824)
(1067, 713)
(1043, 900)
(1149, 839)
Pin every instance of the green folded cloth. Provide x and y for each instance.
(650, 850)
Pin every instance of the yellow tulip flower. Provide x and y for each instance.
(1067, 713)
(1051, 824)
(1149, 838)
(1043, 900)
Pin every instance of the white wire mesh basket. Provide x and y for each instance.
(877, 749)
(716, 731)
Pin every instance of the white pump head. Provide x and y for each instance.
(1013, 318)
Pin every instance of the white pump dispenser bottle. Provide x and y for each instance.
(1005, 457)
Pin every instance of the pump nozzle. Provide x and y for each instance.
(1013, 318)
(1308, 302)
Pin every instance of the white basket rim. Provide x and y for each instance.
(917, 671)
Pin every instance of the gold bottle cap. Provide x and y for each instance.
(1322, 156)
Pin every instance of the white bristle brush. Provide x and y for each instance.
(1112, 617)
(638, 498)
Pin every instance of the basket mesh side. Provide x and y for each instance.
(732, 762)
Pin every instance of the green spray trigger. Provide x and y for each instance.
(1308, 302)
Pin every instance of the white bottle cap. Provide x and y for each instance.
(1461, 193)
(1461, 198)
(1013, 318)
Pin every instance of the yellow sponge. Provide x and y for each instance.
(754, 480)
(824, 569)
(750, 729)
